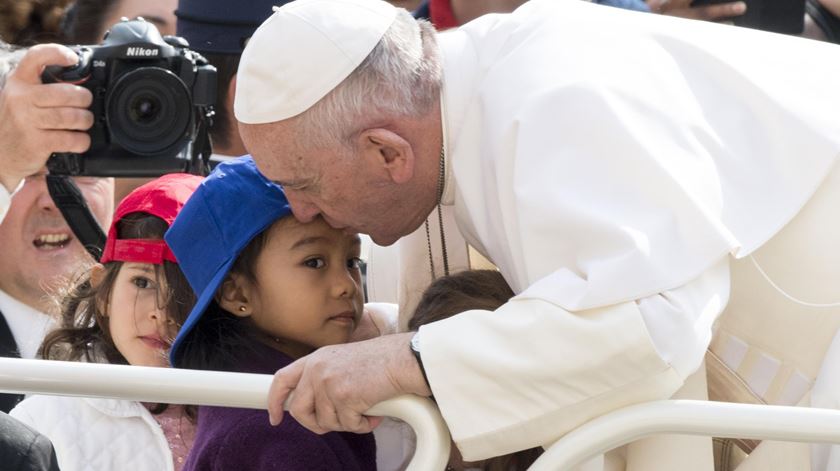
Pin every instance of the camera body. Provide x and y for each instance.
(151, 97)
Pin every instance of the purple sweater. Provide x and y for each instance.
(233, 439)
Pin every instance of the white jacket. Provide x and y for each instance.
(609, 162)
(98, 434)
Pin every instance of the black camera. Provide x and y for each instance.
(152, 98)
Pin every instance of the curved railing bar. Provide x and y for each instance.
(210, 388)
(714, 419)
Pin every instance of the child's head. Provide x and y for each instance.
(260, 275)
(128, 308)
(465, 291)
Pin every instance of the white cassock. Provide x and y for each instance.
(610, 163)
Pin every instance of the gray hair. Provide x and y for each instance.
(9, 58)
(401, 77)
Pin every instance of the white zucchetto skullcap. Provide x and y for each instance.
(302, 52)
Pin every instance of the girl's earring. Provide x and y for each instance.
(242, 308)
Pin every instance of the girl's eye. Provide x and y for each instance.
(141, 282)
(315, 263)
(354, 263)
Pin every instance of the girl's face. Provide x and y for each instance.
(308, 290)
(137, 317)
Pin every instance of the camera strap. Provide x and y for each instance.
(70, 201)
(201, 148)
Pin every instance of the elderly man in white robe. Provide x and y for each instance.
(611, 164)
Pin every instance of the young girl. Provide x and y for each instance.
(125, 310)
(270, 290)
(450, 295)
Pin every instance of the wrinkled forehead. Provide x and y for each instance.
(279, 153)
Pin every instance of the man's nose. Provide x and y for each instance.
(303, 210)
(45, 201)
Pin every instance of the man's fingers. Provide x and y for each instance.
(76, 142)
(33, 62)
(63, 118)
(62, 94)
(718, 12)
(302, 408)
(284, 382)
(352, 421)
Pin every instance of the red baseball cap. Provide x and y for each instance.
(162, 197)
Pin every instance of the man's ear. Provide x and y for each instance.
(234, 295)
(231, 94)
(388, 151)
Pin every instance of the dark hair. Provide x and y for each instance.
(220, 339)
(464, 291)
(84, 21)
(30, 22)
(226, 66)
(83, 333)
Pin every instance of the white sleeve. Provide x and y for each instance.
(529, 372)
(679, 321)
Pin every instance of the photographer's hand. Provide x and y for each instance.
(37, 119)
(685, 9)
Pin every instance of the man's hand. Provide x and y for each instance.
(37, 119)
(335, 385)
(683, 8)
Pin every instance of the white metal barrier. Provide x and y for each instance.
(177, 386)
(714, 419)
(208, 388)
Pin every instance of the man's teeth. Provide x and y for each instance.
(53, 238)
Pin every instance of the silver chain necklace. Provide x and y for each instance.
(441, 180)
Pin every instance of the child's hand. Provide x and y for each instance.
(367, 328)
(377, 319)
(334, 386)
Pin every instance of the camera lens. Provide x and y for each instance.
(149, 112)
(144, 109)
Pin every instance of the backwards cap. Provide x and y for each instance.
(302, 52)
(162, 197)
(231, 206)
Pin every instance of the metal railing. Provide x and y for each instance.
(205, 388)
(177, 386)
(707, 418)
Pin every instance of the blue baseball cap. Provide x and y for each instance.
(231, 206)
(221, 26)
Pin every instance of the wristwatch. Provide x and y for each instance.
(414, 344)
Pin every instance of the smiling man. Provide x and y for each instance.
(39, 251)
(38, 248)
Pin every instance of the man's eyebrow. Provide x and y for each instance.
(308, 241)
